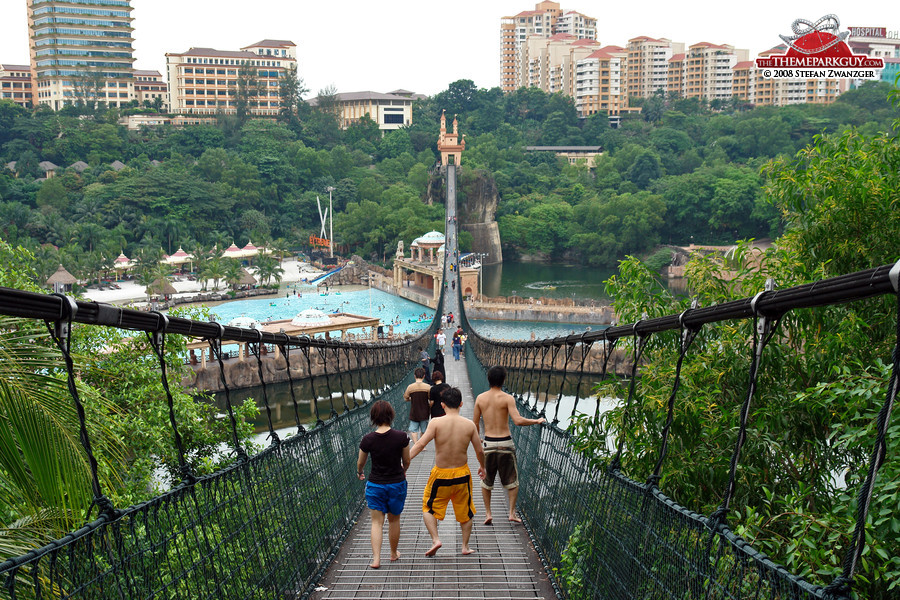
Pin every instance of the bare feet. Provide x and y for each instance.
(395, 557)
(434, 549)
(375, 564)
(514, 518)
(489, 520)
(467, 551)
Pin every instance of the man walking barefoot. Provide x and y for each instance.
(497, 407)
(450, 478)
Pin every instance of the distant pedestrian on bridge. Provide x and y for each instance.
(450, 478)
(497, 408)
(386, 487)
(417, 394)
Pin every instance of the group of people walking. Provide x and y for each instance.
(435, 416)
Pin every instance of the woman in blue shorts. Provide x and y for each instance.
(386, 487)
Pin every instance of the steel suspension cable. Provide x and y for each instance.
(585, 352)
(312, 383)
(640, 343)
(285, 351)
(840, 587)
(215, 346)
(61, 333)
(157, 341)
(687, 338)
(256, 349)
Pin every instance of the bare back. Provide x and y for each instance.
(495, 406)
(452, 436)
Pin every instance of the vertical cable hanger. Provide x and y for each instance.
(640, 342)
(61, 333)
(608, 349)
(312, 381)
(764, 329)
(157, 341)
(550, 369)
(336, 350)
(323, 354)
(256, 350)
(840, 587)
(585, 352)
(215, 346)
(285, 351)
(570, 350)
(688, 334)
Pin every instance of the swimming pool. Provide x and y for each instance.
(368, 302)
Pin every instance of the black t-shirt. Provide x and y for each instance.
(436, 409)
(386, 451)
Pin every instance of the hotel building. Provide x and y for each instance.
(15, 84)
(81, 51)
(517, 59)
(149, 86)
(390, 111)
(205, 81)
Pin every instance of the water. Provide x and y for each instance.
(522, 330)
(537, 279)
(363, 301)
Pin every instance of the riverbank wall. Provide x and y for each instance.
(243, 371)
(552, 310)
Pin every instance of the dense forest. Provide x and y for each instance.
(678, 172)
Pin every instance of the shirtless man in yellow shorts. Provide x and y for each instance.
(450, 478)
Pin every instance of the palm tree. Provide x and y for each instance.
(268, 268)
(45, 479)
(212, 269)
(233, 273)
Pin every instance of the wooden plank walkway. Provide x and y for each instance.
(504, 564)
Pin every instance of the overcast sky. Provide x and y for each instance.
(421, 45)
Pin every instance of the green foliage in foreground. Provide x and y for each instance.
(45, 480)
(822, 382)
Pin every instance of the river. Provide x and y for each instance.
(551, 280)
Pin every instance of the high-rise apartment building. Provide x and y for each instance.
(547, 20)
(648, 64)
(782, 92)
(81, 51)
(708, 70)
(601, 82)
(16, 84)
(206, 81)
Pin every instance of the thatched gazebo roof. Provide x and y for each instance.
(61, 277)
(161, 287)
(247, 278)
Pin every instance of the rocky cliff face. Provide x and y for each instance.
(477, 200)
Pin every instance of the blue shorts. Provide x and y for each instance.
(386, 497)
(418, 426)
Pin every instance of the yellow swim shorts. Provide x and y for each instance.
(445, 485)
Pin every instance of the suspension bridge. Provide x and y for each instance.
(288, 522)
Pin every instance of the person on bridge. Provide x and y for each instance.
(450, 478)
(434, 397)
(386, 487)
(497, 407)
(457, 343)
(417, 394)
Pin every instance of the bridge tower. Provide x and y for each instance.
(449, 144)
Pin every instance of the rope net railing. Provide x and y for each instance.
(621, 538)
(265, 526)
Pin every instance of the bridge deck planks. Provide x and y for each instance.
(504, 564)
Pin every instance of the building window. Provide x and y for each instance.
(393, 119)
